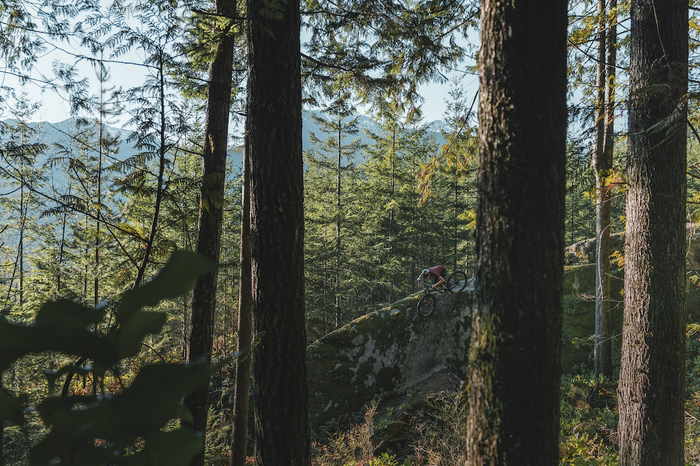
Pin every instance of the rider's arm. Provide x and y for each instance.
(440, 281)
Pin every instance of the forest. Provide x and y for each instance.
(209, 204)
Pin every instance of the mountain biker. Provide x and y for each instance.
(437, 272)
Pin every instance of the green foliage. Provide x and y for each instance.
(365, 247)
(588, 421)
(354, 447)
(441, 433)
(385, 459)
(692, 384)
(130, 425)
(387, 49)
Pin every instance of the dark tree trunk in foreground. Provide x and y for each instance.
(651, 387)
(273, 128)
(514, 362)
(245, 331)
(2, 433)
(211, 209)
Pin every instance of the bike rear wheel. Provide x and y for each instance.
(426, 305)
(457, 281)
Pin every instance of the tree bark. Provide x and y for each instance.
(2, 431)
(245, 331)
(652, 376)
(514, 361)
(211, 209)
(273, 127)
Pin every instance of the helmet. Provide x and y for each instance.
(425, 272)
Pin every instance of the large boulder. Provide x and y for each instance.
(579, 315)
(395, 354)
(584, 251)
(579, 297)
(387, 352)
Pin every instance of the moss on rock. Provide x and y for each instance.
(393, 350)
(385, 352)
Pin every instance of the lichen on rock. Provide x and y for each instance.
(387, 352)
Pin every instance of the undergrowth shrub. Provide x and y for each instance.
(692, 389)
(353, 447)
(441, 433)
(588, 421)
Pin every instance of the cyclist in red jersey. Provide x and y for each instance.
(437, 272)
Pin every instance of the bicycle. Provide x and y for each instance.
(455, 283)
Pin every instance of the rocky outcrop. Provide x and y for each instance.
(394, 352)
(387, 352)
(579, 297)
(584, 251)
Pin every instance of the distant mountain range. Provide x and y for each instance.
(365, 124)
(52, 134)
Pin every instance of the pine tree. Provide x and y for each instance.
(273, 129)
(651, 390)
(386, 49)
(23, 174)
(514, 359)
(602, 166)
(402, 236)
(457, 159)
(336, 159)
(212, 205)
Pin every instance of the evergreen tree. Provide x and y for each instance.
(386, 48)
(22, 174)
(241, 408)
(579, 205)
(457, 159)
(402, 236)
(273, 130)
(602, 166)
(18, 165)
(211, 207)
(651, 388)
(83, 165)
(335, 160)
(514, 359)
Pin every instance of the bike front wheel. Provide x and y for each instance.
(426, 305)
(457, 281)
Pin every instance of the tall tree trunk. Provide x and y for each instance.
(245, 331)
(610, 85)
(514, 360)
(62, 249)
(98, 204)
(21, 258)
(141, 272)
(392, 163)
(2, 432)
(602, 166)
(455, 220)
(338, 206)
(211, 208)
(273, 126)
(652, 376)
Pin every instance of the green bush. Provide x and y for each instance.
(588, 421)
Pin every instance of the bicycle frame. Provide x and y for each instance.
(428, 287)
